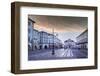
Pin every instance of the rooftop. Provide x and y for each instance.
(69, 40)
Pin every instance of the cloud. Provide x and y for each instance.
(59, 23)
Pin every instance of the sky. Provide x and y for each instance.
(66, 27)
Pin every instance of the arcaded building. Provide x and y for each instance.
(82, 40)
(38, 40)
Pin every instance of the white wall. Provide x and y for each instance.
(5, 33)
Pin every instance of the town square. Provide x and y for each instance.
(54, 37)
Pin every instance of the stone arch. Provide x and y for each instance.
(45, 47)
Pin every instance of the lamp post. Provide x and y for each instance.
(53, 51)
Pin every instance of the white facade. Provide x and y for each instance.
(44, 43)
(69, 43)
(30, 32)
(41, 39)
(53, 40)
(36, 39)
(33, 36)
(49, 41)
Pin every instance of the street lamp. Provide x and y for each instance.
(53, 51)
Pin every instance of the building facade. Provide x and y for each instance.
(54, 41)
(49, 41)
(82, 40)
(30, 33)
(69, 44)
(44, 44)
(38, 40)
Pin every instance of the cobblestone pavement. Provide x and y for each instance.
(59, 54)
